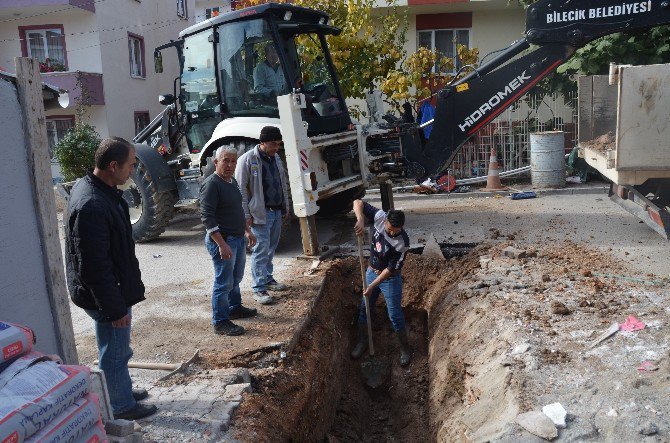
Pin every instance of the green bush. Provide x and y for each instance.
(76, 151)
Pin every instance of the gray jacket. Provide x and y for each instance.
(249, 176)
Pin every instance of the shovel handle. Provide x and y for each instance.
(371, 345)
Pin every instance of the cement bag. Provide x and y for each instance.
(20, 364)
(34, 396)
(14, 341)
(72, 424)
(95, 434)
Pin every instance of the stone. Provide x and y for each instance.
(538, 424)
(432, 249)
(520, 349)
(612, 413)
(513, 252)
(649, 428)
(557, 413)
(120, 427)
(559, 308)
(135, 437)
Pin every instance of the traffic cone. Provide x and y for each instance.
(493, 178)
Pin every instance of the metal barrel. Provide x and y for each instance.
(547, 159)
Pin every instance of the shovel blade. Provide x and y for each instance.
(374, 372)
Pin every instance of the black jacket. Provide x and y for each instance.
(102, 270)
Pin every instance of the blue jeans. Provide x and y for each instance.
(114, 353)
(391, 288)
(267, 239)
(228, 274)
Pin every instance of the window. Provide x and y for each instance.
(136, 54)
(141, 120)
(57, 127)
(212, 12)
(181, 9)
(444, 41)
(46, 44)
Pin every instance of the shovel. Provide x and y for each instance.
(373, 370)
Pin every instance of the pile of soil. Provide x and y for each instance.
(601, 144)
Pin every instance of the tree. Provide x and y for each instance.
(75, 152)
(370, 51)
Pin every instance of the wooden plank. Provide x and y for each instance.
(29, 87)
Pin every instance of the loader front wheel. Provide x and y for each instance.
(150, 211)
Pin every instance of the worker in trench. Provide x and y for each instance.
(389, 245)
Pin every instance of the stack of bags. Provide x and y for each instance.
(42, 400)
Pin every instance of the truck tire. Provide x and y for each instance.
(340, 204)
(150, 211)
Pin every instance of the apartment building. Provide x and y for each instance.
(108, 45)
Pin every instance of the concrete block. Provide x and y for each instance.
(120, 428)
(432, 249)
(515, 253)
(99, 387)
(234, 392)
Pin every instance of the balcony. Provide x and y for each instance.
(91, 82)
(12, 8)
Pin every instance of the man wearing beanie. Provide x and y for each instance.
(262, 180)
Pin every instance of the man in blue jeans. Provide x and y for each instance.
(103, 274)
(387, 254)
(221, 213)
(262, 178)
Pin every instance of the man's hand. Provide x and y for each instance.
(123, 322)
(368, 291)
(225, 251)
(251, 238)
(359, 227)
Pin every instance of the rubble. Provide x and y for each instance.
(557, 413)
(515, 253)
(537, 423)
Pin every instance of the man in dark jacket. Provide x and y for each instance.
(103, 273)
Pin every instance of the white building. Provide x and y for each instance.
(109, 43)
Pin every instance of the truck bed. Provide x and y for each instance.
(624, 128)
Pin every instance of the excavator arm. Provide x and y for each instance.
(555, 30)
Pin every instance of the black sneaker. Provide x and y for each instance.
(140, 394)
(227, 327)
(137, 412)
(242, 312)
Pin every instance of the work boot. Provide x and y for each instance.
(362, 343)
(405, 354)
(140, 394)
(242, 312)
(264, 298)
(227, 327)
(136, 412)
(274, 285)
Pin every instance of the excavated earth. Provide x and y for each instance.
(492, 337)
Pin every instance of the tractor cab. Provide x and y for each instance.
(235, 65)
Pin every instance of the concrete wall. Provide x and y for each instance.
(23, 288)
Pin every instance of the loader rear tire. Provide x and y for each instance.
(150, 211)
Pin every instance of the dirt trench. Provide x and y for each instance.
(317, 393)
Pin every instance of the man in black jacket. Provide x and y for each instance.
(103, 273)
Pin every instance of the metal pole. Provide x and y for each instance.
(386, 190)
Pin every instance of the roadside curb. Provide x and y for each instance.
(482, 194)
